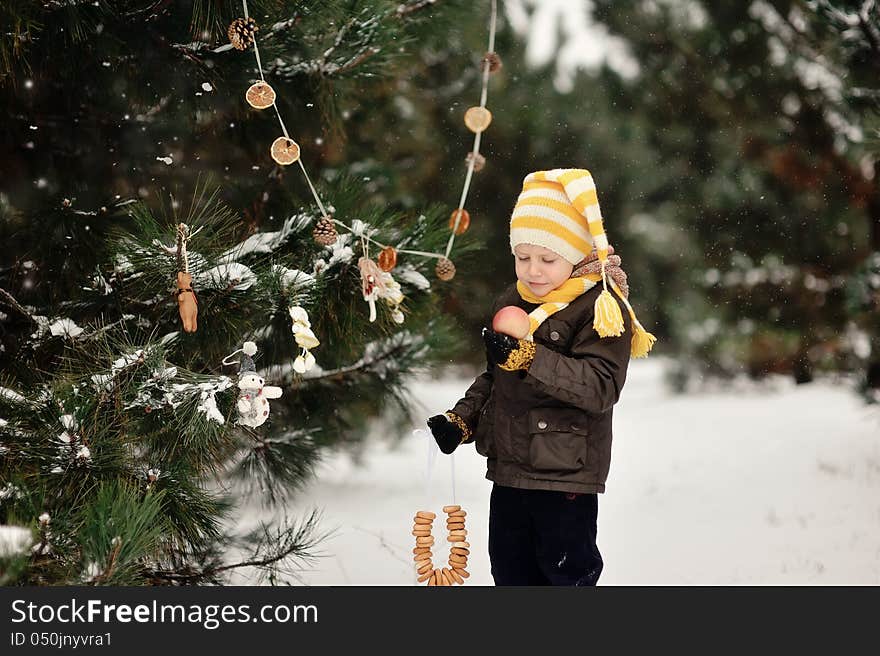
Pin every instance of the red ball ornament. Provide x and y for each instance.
(511, 320)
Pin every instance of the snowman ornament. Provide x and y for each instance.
(254, 394)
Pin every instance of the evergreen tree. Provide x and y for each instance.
(129, 154)
(766, 123)
(736, 169)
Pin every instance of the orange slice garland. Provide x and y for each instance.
(260, 95)
(285, 151)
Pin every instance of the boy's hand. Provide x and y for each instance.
(507, 352)
(449, 431)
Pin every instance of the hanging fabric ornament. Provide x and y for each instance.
(387, 258)
(445, 269)
(371, 280)
(305, 339)
(241, 33)
(478, 159)
(325, 232)
(260, 95)
(285, 151)
(459, 221)
(391, 292)
(187, 305)
(253, 395)
(477, 119)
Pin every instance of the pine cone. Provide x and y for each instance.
(494, 62)
(445, 269)
(479, 161)
(241, 33)
(325, 232)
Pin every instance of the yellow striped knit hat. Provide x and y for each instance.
(559, 210)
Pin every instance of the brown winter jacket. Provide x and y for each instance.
(550, 428)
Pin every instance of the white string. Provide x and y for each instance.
(452, 473)
(476, 149)
(433, 450)
(280, 120)
(484, 94)
(260, 67)
(381, 245)
(314, 192)
(184, 236)
(228, 364)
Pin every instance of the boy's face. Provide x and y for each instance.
(540, 269)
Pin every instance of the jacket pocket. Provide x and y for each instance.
(558, 440)
(484, 437)
(557, 334)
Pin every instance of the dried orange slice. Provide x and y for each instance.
(260, 95)
(477, 119)
(387, 258)
(285, 151)
(463, 222)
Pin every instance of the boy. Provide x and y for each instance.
(541, 413)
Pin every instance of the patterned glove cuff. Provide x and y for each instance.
(521, 357)
(458, 421)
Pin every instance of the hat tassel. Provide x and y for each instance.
(642, 340)
(607, 317)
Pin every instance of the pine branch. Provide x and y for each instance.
(407, 8)
(9, 301)
(273, 549)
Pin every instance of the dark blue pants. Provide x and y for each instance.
(542, 537)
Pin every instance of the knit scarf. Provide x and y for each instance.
(607, 320)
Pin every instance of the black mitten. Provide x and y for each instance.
(447, 434)
(508, 352)
(498, 346)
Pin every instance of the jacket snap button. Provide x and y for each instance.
(554, 336)
(542, 424)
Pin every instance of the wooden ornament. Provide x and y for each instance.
(285, 151)
(455, 573)
(187, 305)
(387, 258)
(477, 119)
(459, 221)
(260, 95)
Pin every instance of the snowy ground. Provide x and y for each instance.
(753, 484)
